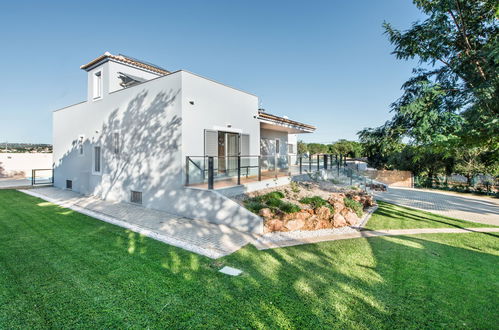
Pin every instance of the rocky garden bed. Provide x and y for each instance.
(307, 206)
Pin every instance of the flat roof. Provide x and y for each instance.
(271, 117)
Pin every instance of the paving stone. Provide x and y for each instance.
(199, 236)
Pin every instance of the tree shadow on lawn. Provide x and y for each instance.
(70, 269)
(401, 213)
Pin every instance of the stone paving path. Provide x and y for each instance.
(263, 244)
(472, 208)
(14, 183)
(198, 236)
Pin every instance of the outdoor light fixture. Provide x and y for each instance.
(191, 102)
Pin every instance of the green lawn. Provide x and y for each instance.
(391, 216)
(63, 269)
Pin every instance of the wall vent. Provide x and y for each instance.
(136, 197)
(69, 184)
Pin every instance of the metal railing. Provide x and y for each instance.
(42, 176)
(224, 171)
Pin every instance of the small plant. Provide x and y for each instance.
(354, 206)
(335, 181)
(295, 187)
(315, 202)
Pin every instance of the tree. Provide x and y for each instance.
(302, 147)
(454, 90)
(452, 99)
(316, 148)
(469, 163)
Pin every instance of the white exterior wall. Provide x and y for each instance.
(114, 68)
(268, 138)
(148, 119)
(293, 139)
(215, 107)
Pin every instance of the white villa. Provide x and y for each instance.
(158, 138)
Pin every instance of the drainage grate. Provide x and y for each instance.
(136, 197)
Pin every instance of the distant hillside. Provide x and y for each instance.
(25, 147)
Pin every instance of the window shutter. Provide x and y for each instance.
(210, 143)
(245, 145)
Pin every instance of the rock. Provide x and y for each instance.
(323, 213)
(265, 213)
(338, 206)
(302, 215)
(351, 218)
(295, 224)
(274, 225)
(345, 211)
(339, 221)
(322, 224)
(356, 198)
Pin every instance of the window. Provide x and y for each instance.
(136, 197)
(116, 143)
(80, 144)
(290, 149)
(98, 85)
(97, 160)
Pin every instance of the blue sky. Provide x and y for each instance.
(326, 63)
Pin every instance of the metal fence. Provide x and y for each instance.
(214, 172)
(42, 177)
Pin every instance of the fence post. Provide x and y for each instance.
(300, 165)
(210, 172)
(52, 176)
(310, 163)
(238, 170)
(318, 157)
(33, 177)
(186, 170)
(259, 168)
(325, 162)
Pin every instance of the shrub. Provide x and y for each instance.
(354, 206)
(272, 201)
(315, 202)
(289, 207)
(253, 205)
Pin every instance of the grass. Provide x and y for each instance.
(390, 216)
(61, 269)
(272, 200)
(355, 206)
(315, 202)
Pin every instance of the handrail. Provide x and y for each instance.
(189, 158)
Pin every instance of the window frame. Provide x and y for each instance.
(99, 172)
(97, 77)
(116, 143)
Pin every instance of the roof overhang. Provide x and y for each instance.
(276, 123)
(126, 60)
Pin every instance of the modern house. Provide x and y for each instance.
(154, 137)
